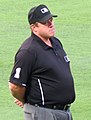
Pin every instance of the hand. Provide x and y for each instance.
(19, 103)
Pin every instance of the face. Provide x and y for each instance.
(46, 29)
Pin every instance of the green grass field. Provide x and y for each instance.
(73, 27)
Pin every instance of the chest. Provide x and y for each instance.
(51, 59)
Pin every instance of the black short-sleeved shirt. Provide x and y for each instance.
(44, 71)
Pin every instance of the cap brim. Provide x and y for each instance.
(47, 17)
(54, 16)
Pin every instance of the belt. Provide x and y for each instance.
(54, 106)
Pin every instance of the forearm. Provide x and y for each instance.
(17, 91)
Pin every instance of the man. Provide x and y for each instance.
(41, 79)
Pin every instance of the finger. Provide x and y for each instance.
(19, 103)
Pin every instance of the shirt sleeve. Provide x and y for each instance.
(22, 68)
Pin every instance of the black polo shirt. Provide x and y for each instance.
(44, 71)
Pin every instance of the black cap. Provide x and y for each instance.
(39, 13)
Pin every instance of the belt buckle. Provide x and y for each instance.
(66, 106)
(54, 107)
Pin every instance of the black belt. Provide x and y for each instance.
(55, 106)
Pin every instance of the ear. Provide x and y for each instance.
(34, 27)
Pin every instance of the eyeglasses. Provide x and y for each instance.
(48, 22)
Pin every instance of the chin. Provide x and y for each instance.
(52, 35)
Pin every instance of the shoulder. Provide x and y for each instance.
(26, 49)
(27, 44)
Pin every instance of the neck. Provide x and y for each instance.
(45, 40)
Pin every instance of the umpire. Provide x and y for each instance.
(41, 79)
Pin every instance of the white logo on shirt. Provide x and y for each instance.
(17, 74)
(44, 10)
(66, 59)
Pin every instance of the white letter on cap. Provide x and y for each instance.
(44, 10)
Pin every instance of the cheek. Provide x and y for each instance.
(43, 31)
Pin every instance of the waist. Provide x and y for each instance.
(54, 106)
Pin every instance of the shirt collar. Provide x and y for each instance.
(45, 46)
